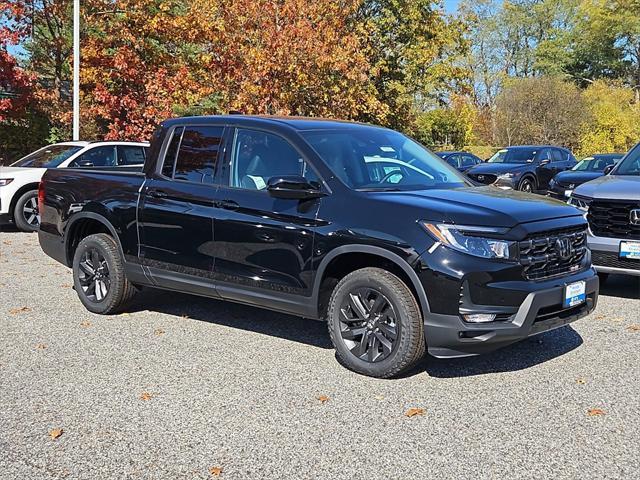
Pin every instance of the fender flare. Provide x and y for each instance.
(380, 252)
(93, 216)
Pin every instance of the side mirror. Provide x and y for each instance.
(85, 163)
(607, 169)
(292, 187)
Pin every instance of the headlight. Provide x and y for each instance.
(5, 181)
(507, 176)
(579, 202)
(468, 239)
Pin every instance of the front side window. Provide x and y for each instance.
(371, 158)
(104, 156)
(630, 164)
(49, 157)
(258, 156)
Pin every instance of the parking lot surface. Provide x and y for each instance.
(187, 387)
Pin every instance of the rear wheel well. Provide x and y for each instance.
(345, 263)
(81, 229)
(25, 188)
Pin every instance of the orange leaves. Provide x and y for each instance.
(41, 346)
(55, 433)
(634, 328)
(323, 399)
(595, 412)
(215, 471)
(146, 396)
(414, 411)
(16, 311)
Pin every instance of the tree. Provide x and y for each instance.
(415, 54)
(542, 109)
(613, 124)
(14, 81)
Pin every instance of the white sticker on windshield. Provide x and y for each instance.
(387, 149)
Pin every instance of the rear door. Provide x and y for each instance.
(176, 209)
(263, 244)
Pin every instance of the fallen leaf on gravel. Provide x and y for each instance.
(55, 433)
(581, 381)
(7, 242)
(595, 412)
(379, 397)
(323, 399)
(15, 311)
(215, 471)
(634, 328)
(412, 412)
(66, 285)
(146, 396)
(158, 331)
(86, 323)
(41, 346)
(600, 317)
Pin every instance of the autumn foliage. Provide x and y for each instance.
(13, 79)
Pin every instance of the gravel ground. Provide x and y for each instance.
(182, 384)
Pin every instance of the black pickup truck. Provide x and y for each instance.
(352, 223)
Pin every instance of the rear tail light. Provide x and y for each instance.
(41, 197)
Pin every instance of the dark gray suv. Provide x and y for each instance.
(612, 206)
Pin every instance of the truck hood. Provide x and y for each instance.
(13, 172)
(482, 206)
(614, 187)
(575, 177)
(497, 168)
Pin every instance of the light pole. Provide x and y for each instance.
(76, 69)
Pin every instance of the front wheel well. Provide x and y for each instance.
(21, 191)
(345, 263)
(81, 229)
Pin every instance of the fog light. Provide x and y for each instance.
(480, 317)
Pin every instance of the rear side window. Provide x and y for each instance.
(172, 150)
(104, 156)
(558, 156)
(130, 155)
(192, 154)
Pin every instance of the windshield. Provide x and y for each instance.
(49, 157)
(597, 164)
(630, 164)
(370, 158)
(513, 155)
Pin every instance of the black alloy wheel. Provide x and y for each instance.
(26, 214)
(94, 275)
(368, 324)
(526, 185)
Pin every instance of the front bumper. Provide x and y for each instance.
(605, 255)
(449, 336)
(5, 219)
(559, 193)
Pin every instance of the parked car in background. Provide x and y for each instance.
(612, 206)
(587, 169)
(352, 224)
(463, 161)
(19, 181)
(528, 168)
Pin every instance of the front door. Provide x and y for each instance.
(263, 244)
(176, 210)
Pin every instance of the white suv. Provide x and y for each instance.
(19, 181)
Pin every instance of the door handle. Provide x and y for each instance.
(157, 193)
(227, 204)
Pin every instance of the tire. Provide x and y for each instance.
(527, 184)
(25, 214)
(107, 290)
(354, 301)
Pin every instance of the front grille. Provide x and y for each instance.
(611, 259)
(540, 253)
(608, 218)
(485, 178)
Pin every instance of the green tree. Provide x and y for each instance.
(539, 110)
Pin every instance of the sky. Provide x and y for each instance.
(451, 6)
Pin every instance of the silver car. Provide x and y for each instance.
(612, 207)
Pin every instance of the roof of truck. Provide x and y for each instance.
(298, 123)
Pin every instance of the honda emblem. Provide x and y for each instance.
(634, 216)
